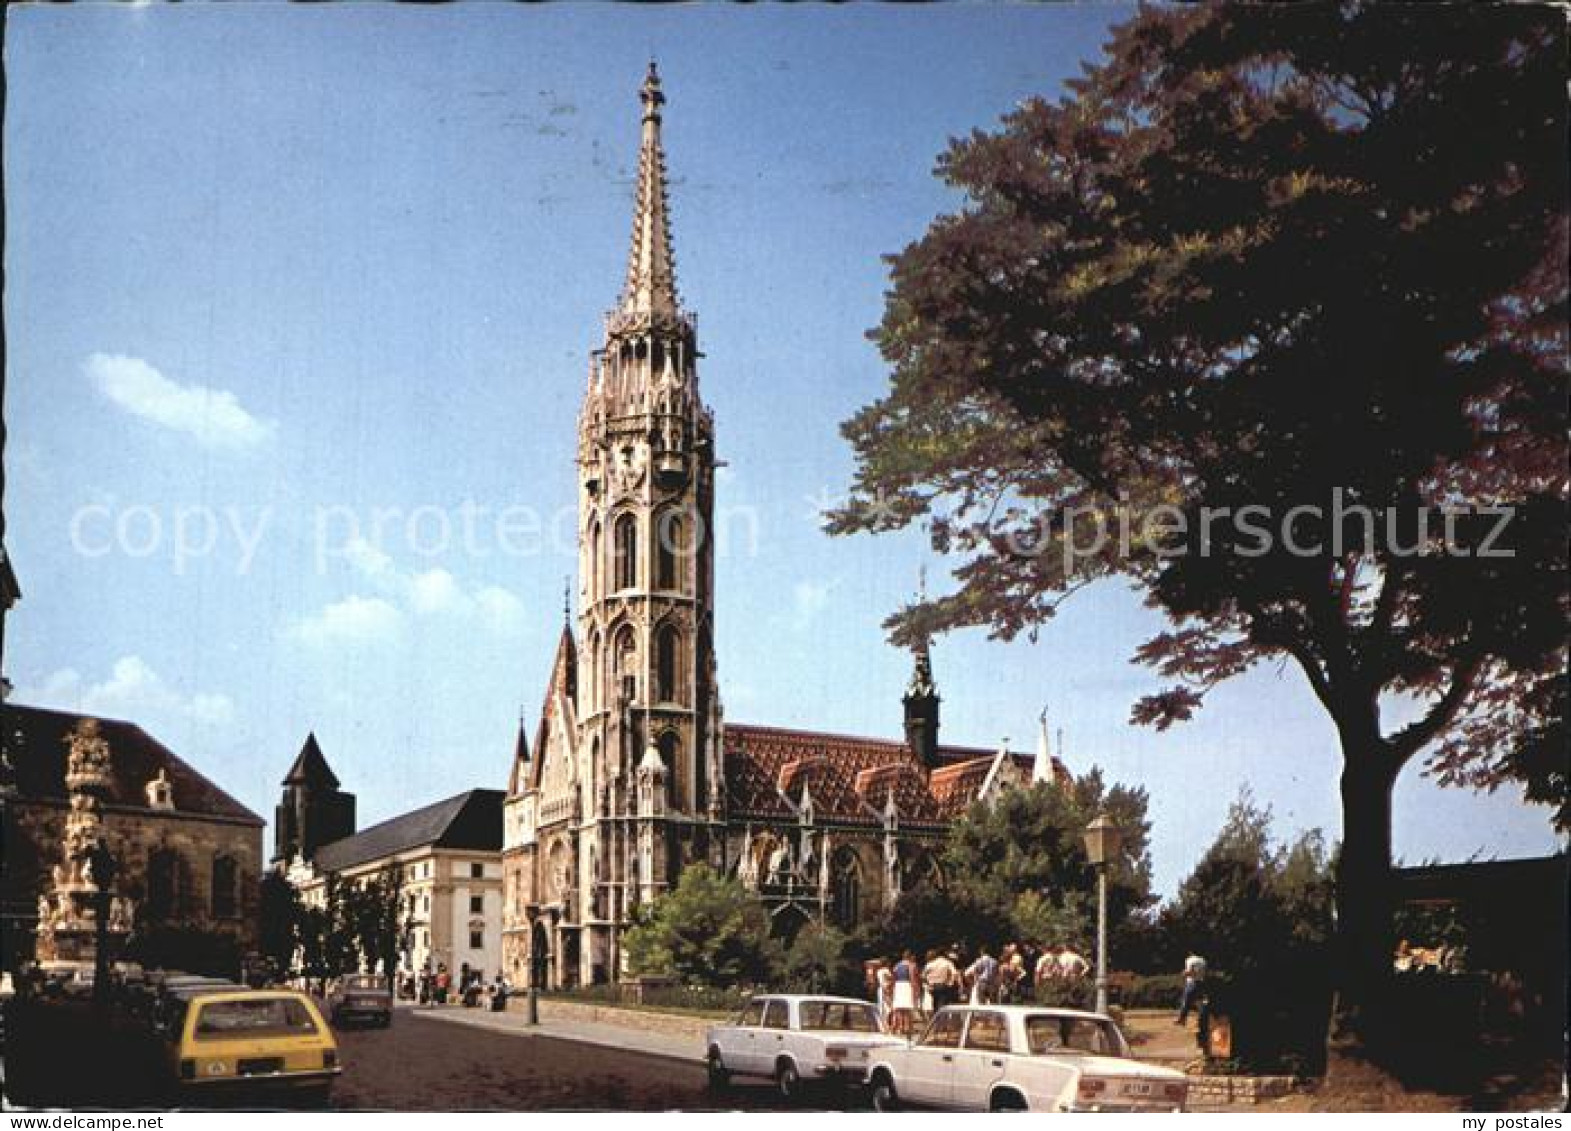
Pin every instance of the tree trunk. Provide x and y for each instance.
(1363, 890)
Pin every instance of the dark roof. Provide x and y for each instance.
(470, 820)
(850, 779)
(35, 745)
(310, 767)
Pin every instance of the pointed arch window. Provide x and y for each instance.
(670, 550)
(226, 887)
(625, 565)
(668, 665)
(670, 747)
(590, 670)
(845, 891)
(624, 661)
(594, 570)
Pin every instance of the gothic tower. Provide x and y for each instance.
(648, 709)
(313, 810)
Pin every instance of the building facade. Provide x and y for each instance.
(189, 855)
(633, 772)
(446, 857)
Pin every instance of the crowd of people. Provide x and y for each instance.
(439, 986)
(907, 988)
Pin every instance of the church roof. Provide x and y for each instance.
(311, 767)
(470, 820)
(35, 746)
(564, 683)
(850, 779)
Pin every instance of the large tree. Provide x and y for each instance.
(1271, 257)
(1019, 861)
(707, 930)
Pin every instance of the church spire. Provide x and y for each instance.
(651, 269)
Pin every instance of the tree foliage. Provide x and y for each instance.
(1271, 257)
(1019, 859)
(708, 930)
(280, 914)
(1253, 907)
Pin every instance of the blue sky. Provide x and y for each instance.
(290, 267)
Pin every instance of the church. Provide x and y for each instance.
(633, 772)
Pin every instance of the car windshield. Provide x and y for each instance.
(839, 1016)
(1050, 1034)
(253, 1017)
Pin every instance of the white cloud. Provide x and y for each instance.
(354, 620)
(436, 591)
(133, 691)
(808, 599)
(499, 608)
(369, 560)
(213, 416)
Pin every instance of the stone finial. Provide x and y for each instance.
(87, 759)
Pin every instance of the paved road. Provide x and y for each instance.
(424, 1063)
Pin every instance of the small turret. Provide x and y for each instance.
(921, 708)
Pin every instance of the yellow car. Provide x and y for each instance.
(225, 1041)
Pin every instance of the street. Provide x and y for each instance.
(426, 1063)
(421, 1063)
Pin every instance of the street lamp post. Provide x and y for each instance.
(1103, 841)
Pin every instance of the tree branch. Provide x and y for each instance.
(1414, 737)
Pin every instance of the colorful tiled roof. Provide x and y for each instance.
(850, 779)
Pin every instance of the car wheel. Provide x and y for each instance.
(788, 1082)
(1007, 1101)
(884, 1096)
(719, 1078)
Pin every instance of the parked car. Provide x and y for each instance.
(366, 997)
(793, 1039)
(1021, 1058)
(220, 1042)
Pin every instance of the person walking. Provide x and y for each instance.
(1194, 987)
(982, 976)
(904, 1003)
(1072, 966)
(884, 976)
(943, 979)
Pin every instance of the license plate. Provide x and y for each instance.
(260, 1066)
(1139, 1088)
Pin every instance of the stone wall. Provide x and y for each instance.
(1234, 1091)
(646, 1021)
(33, 834)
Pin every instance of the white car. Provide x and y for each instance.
(795, 1038)
(1021, 1058)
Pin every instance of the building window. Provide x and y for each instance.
(477, 871)
(625, 656)
(668, 654)
(625, 547)
(476, 939)
(426, 905)
(670, 550)
(477, 905)
(845, 895)
(670, 746)
(226, 887)
(163, 884)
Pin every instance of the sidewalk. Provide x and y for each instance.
(672, 1046)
